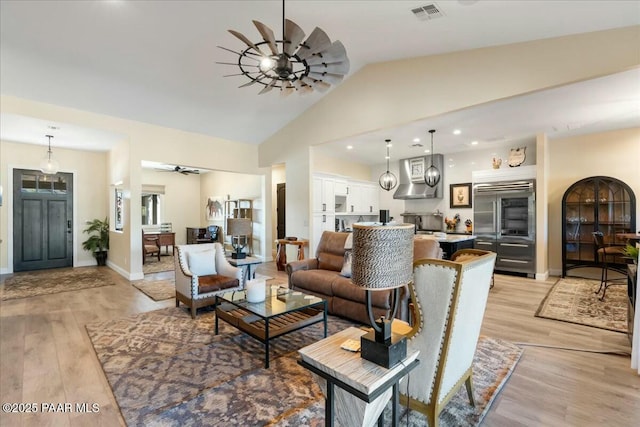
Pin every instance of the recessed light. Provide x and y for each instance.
(427, 151)
(389, 145)
(457, 132)
(474, 142)
(451, 160)
(416, 139)
(349, 147)
(53, 127)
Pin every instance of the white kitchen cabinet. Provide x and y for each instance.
(323, 194)
(363, 198)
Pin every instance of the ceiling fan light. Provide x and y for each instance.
(266, 64)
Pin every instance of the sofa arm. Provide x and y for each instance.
(305, 264)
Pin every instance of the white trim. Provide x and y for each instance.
(504, 174)
(124, 273)
(542, 276)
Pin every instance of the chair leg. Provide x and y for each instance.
(177, 302)
(469, 384)
(193, 310)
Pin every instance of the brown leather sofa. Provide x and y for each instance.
(320, 276)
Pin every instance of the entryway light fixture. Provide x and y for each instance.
(290, 64)
(48, 165)
(388, 181)
(432, 174)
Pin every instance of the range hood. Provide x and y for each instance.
(411, 181)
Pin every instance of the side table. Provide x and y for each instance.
(245, 264)
(363, 388)
(281, 251)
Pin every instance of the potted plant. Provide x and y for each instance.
(98, 241)
(631, 252)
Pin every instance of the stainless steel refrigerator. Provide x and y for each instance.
(504, 222)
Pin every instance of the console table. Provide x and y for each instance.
(364, 388)
(165, 239)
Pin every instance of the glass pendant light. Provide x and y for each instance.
(432, 174)
(49, 165)
(388, 181)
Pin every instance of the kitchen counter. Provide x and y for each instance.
(450, 243)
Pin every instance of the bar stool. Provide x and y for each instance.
(604, 251)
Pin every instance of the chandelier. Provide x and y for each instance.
(388, 181)
(432, 174)
(289, 64)
(48, 165)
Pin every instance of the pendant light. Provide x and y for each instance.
(388, 181)
(432, 174)
(49, 165)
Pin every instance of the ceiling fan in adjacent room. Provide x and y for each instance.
(179, 169)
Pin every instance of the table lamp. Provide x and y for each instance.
(382, 260)
(237, 228)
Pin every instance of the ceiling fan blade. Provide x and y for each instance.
(294, 35)
(267, 35)
(246, 41)
(268, 87)
(287, 90)
(335, 53)
(317, 41)
(333, 79)
(337, 68)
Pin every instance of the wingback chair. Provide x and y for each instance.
(450, 302)
(202, 272)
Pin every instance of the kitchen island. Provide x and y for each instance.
(451, 242)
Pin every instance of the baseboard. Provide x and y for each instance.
(6, 270)
(87, 263)
(542, 276)
(124, 273)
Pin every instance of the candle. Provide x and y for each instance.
(256, 290)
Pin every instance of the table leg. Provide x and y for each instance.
(300, 253)
(215, 330)
(266, 344)
(395, 404)
(328, 405)
(281, 256)
(325, 318)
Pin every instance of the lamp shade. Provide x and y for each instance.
(382, 256)
(238, 227)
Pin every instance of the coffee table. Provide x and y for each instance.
(282, 312)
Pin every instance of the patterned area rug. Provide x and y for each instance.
(152, 265)
(573, 300)
(167, 369)
(157, 290)
(45, 282)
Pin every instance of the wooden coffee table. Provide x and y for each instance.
(283, 311)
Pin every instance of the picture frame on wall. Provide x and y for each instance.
(460, 195)
(214, 208)
(416, 167)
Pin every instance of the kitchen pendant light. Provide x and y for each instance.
(388, 181)
(49, 165)
(432, 174)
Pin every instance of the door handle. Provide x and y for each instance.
(484, 243)
(517, 245)
(69, 226)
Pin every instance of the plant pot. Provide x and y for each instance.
(101, 257)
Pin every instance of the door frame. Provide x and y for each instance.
(9, 202)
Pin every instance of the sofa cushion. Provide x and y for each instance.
(318, 281)
(330, 252)
(202, 263)
(216, 282)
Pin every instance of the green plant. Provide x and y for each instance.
(98, 240)
(631, 252)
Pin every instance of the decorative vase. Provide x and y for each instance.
(256, 290)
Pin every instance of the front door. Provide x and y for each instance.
(42, 220)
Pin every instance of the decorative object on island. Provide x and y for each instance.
(256, 290)
(496, 162)
(517, 156)
(469, 225)
(382, 260)
(238, 229)
(432, 174)
(384, 216)
(460, 195)
(290, 64)
(388, 181)
(48, 165)
(452, 223)
(98, 241)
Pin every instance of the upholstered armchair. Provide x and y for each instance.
(202, 272)
(450, 299)
(150, 246)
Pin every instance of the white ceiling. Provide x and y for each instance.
(155, 62)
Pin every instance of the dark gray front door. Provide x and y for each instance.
(42, 220)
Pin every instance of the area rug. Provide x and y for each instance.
(166, 369)
(157, 290)
(46, 282)
(574, 300)
(152, 265)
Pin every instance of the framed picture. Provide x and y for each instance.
(460, 195)
(214, 208)
(119, 210)
(416, 167)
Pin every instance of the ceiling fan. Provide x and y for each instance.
(180, 169)
(289, 63)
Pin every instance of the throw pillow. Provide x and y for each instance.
(202, 263)
(346, 266)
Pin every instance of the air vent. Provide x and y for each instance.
(425, 13)
(416, 145)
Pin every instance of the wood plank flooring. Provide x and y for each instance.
(46, 356)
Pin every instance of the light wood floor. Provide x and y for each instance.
(46, 356)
